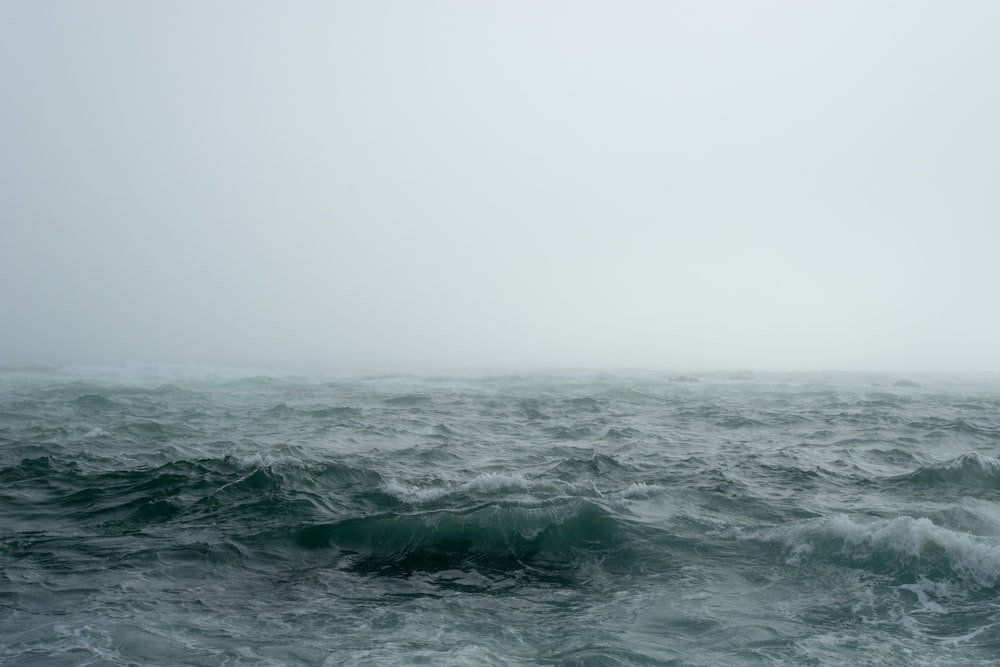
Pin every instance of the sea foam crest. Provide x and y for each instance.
(486, 483)
(496, 481)
(987, 464)
(973, 469)
(969, 556)
(638, 490)
(258, 460)
(414, 494)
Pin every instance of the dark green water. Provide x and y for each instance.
(211, 516)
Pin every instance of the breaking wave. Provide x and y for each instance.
(903, 547)
(972, 469)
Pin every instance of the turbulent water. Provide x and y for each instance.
(210, 516)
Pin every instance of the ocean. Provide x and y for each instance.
(194, 515)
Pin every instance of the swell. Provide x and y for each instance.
(224, 492)
(289, 512)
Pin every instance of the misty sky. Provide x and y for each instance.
(370, 184)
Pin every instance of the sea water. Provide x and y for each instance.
(158, 515)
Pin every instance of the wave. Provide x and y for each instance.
(942, 426)
(581, 404)
(340, 413)
(489, 538)
(409, 400)
(624, 433)
(29, 468)
(497, 525)
(531, 408)
(290, 488)
(596, 465)
(94, 402)
(903, 547)
(515, 488)
(259, 460)
(576, 432)
(638, 490)
(738, 421)
(969, 470)
(268, 488)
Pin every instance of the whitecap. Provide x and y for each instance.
(489, 483)
(497, 481)
(972, 557)
(258, 460)
(972, 460)
(638, 490)
(414, 494)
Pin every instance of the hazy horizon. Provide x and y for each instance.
(388, 185)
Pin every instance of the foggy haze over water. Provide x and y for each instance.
(770, 185)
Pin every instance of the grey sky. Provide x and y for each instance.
(774, 185)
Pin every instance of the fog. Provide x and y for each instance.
(418, 185)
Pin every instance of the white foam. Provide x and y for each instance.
(924, 589)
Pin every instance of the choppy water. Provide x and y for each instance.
(201, 516)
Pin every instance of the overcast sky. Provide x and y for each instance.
(371, 184)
